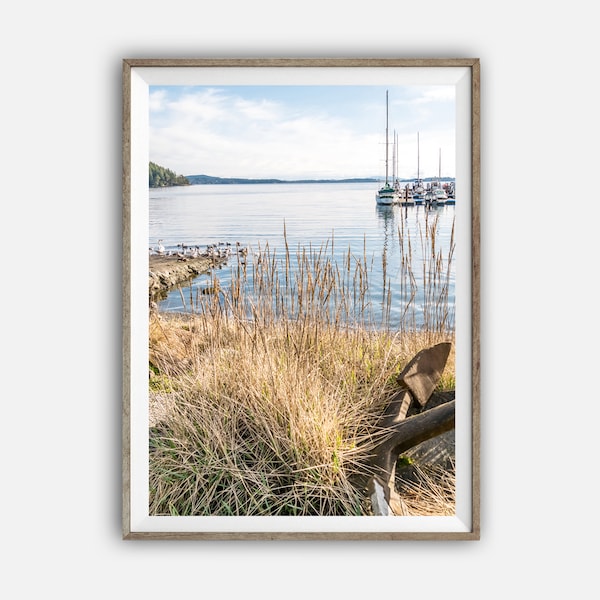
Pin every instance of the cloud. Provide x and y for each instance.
(157, 100)
(437, 93)
(229, 132)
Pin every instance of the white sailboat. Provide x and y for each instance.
(438, 191)
(395, 164)
(436, 194)
(418, 189)
(386, 195)
(405, 196)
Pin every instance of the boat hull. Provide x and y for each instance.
(384, 200)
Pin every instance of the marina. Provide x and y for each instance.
(415, 192)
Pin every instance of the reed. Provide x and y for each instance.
(262, 396)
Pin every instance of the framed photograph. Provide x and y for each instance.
(301, 299)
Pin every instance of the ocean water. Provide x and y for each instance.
(407, 251)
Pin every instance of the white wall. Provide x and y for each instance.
(60, 108)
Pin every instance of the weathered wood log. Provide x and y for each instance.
(409, 433)
(418, 380)
(422, 374)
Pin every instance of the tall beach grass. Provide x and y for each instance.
(263, 396)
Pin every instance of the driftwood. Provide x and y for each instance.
(408, 421)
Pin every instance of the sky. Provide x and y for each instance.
(303, 132)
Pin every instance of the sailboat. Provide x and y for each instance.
(418, 189)
(439, 193)
(395, 164)
(451, 193)
(404, 197)
(387, 194)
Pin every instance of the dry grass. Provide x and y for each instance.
(262, 399)
(430, 491)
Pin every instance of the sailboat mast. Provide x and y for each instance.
(418, 159)
(386, 137)
(394, 159)
(397, 158)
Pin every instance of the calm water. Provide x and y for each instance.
(255, 215)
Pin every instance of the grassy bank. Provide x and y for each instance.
(263, 397)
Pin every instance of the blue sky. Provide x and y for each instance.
(301, 132)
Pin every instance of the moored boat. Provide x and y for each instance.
(451, 193)
(406, 197)
(386, 194)
(440, 195)
(436, 195)
(418, 190)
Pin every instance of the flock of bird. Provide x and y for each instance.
(220, 250)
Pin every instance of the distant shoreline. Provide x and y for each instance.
(209, 180)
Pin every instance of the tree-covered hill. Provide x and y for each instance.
(162, 177)
(208, 179)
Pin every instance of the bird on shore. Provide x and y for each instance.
(160, 249)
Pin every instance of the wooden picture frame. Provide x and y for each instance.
(463, 76)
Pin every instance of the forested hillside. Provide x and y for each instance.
(162, 177)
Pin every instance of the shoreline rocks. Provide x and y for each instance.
(165, 272)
